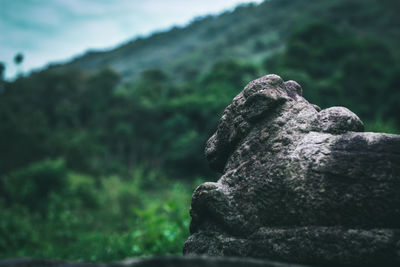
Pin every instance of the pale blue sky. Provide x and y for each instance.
(55, 30)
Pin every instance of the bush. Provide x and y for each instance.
(103, 219)
(33, 185)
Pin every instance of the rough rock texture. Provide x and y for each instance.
(153, 262)
(299, 184)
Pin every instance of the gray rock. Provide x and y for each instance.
(153, 262)
(298, 184)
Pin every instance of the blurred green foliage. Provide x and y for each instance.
(142, 214)
(92, 168)
(33, 186)
(339, 69)
(101, 128)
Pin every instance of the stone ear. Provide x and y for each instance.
(261, 104)
(337, 120)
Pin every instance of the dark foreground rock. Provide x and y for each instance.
(299, 184)
(153, 262)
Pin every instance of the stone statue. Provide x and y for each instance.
(299, 184)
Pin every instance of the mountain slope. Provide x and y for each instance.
(163, 118)
(250, 33)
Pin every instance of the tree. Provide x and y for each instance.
(2, 70)
(18, 58)
(18, 61)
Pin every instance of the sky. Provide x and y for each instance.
(49, 31)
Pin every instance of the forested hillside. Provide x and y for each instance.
(117, 137)
(177, 82)
(251, 32)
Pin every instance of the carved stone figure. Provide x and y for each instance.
(299, 184)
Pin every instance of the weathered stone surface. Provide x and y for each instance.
(299, 184)
(153, 262)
